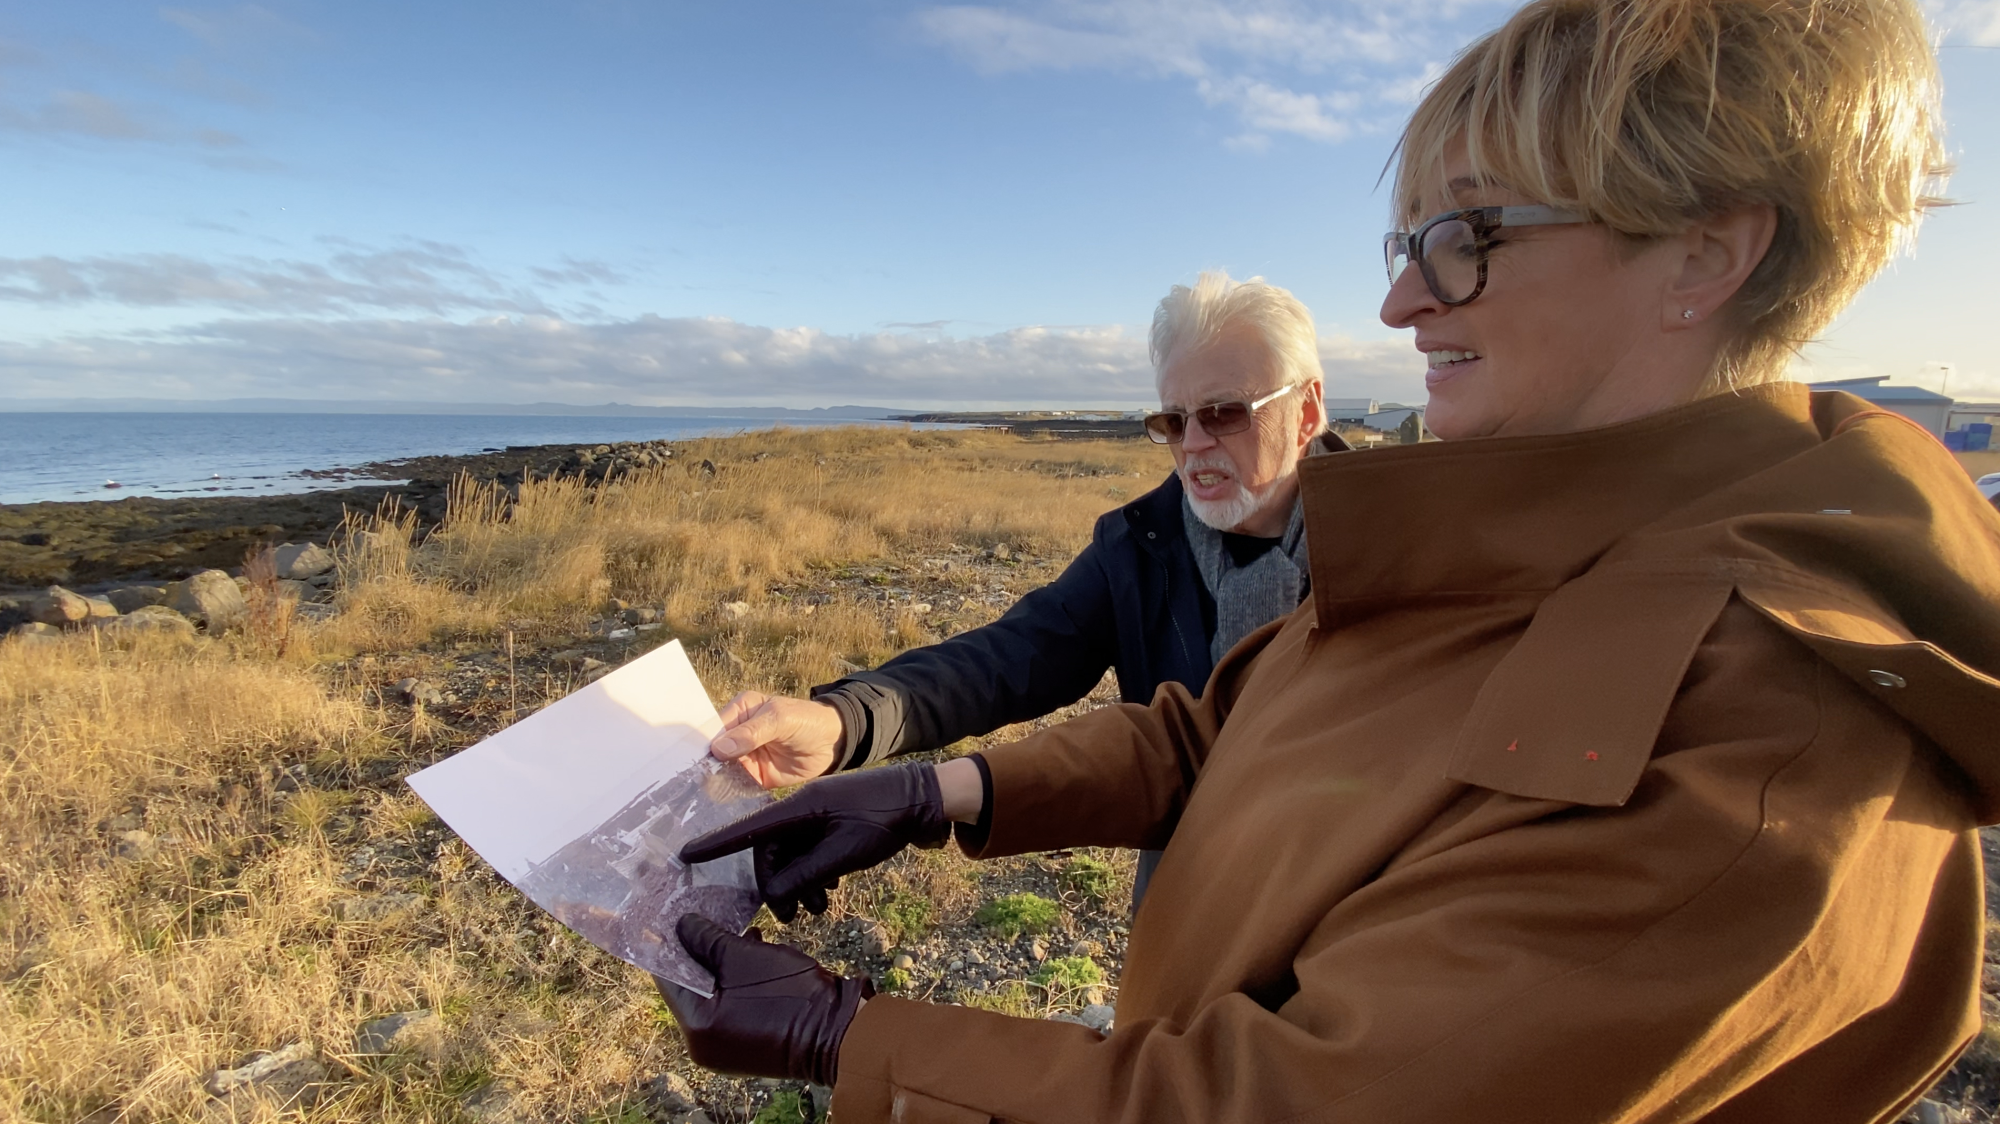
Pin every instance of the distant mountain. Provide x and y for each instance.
(460, 409)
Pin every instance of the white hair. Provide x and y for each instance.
(1189, 318)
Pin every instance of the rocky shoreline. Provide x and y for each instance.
(93, 545)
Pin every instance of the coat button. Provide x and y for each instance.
(1152, 534)
(1887, 679)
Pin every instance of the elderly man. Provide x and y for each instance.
(1169, 582)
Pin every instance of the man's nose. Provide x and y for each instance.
(1194, 438)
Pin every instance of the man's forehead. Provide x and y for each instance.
(1234, 366)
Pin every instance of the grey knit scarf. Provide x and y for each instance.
(1249, 597)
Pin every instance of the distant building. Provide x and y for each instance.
(1925, 407)
(1349, 411)
(1972, 413)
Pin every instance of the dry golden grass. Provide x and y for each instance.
(283, 886)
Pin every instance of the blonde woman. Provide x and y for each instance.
(1633, 777)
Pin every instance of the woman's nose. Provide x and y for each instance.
(1409, 298)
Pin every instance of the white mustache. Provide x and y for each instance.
(1212, 462)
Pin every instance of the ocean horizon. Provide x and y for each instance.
(72, 457)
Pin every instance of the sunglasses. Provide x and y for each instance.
(1218, 419)
(1450, 249)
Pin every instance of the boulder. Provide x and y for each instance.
(390, 1032)
(35, 632)
(299, 561)
(150, 618)
(1099, 1017)
(59, 607)
(292, 590)
(136, 597)
(210, 598)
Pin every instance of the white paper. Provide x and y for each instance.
(585, 804)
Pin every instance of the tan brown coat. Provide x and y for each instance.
(1619, 776)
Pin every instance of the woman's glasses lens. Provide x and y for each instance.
(1451, 259)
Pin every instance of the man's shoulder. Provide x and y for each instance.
(1154, 517)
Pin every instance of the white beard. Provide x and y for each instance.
(1232, 511)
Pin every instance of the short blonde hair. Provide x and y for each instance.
(1648, 114)
(1190, 317)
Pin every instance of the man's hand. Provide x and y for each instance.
(781, 741)
(775, 1012)
(839, 825)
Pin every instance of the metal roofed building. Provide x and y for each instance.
(1927, 408)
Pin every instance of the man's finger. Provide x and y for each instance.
(705, 941)
(744, 702)
(750, 732)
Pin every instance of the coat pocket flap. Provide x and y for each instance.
(1573, 712)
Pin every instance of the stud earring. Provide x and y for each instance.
(1687, 314)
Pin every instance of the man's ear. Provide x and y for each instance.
(1717, 255)
(1312, 412)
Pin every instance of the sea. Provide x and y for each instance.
(71, 457)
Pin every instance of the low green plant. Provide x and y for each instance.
(786, 1107)
(1088, 877)
(896, 979)
(1014, 914)
(907, 916)
(1066, 974)
(1010, 998)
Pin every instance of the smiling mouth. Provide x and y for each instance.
(1447, 358)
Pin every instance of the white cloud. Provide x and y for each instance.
(1253, 56)
(647, 360)
(427, 276)
(1974, 23)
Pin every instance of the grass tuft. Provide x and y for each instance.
(1015, 914)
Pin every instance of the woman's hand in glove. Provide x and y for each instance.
(775, 1012)
(831, 827)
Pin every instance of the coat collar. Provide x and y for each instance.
(1526, 514)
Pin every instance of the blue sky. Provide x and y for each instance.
(801, 203)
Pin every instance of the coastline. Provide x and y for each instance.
(93, 544)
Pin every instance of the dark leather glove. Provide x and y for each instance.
(831, 827)
(775, 1012)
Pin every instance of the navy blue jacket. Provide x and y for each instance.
(1132, 601)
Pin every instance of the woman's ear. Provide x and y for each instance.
(1717, 255)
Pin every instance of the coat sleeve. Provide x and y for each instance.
(1761, 900)
(1046, 652)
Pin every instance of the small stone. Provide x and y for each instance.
(136, 846)
(903, 961)
(620, 634)
(640, 615)
(671, 1092)
(589, 663)
(135, 597)
(649, 627)
(614, 606)
(287, 1077)
(1086, 947)
(955, 966)
(413, 691)
(1066, 1017)
(1099, 1017)
(1038, 951)
(921, 607)
(572, 656)
(1092, 996)
(596, 673)
(736, 610)
(381, 1036)
(1000, 552)
(299, 561)
(493, 1103)
(874, 938)
(974, 956)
